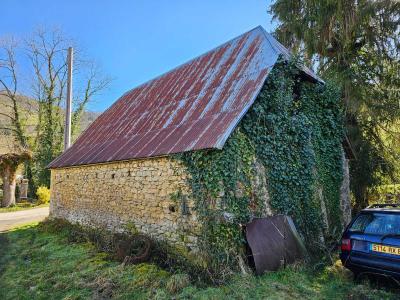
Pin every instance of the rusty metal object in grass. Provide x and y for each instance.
(132, 249)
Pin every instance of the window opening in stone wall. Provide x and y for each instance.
(172, 208)
(184, 206)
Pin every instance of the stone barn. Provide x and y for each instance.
(184, 156)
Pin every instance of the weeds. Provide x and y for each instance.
(128, 248)
(177, 282)
(41, 262)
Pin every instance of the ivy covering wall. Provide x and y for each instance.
(294, 130)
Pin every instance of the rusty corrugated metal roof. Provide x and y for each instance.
(194, 106)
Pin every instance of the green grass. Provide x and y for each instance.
(21, 206)
(38, 264)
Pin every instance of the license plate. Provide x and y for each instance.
(385, 249)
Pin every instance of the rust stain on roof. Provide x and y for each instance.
(194, 106)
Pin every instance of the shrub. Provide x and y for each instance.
(43, 194)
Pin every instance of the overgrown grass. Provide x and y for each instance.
(22, 206)
(36, 263)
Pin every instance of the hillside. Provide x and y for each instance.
(29, 109)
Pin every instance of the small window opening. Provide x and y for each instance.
(184, 206)
(297, 89)
(172, 208)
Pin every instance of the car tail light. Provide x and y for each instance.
(346, 245)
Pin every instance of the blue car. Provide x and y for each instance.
(371, 242)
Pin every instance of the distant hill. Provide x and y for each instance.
(87, 118)
(29, 108)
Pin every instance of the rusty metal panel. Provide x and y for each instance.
(194, 106)
(274, 242)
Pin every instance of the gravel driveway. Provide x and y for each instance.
(10, 219)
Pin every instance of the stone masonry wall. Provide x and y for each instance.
(118, 194)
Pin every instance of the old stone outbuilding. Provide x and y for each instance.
(129, 167)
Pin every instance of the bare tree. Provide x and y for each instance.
(44, 57)
(8, 89)
(94, 83)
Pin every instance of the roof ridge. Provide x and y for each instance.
(288, 54)
(267, 36)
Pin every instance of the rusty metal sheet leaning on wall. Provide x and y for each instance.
(274, 242)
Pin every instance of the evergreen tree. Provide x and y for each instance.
(356, 44)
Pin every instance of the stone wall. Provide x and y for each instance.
(122, 194)
(142, 194)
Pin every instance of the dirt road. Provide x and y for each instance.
(10, 219)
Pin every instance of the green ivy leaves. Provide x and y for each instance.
(295, 129)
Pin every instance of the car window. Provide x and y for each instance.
(377, 223)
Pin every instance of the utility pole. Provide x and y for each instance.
(67, 130)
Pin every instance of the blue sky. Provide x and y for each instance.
(134, 41)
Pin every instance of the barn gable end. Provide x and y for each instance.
(195, 106)
(123, 171)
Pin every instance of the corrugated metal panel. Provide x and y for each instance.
(274, 242)
(195, 106)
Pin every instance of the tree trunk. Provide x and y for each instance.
(9, 183)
